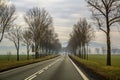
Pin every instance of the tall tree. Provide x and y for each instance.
(82, 34)
(15, 36)
(27, 40)
(39, 21)
(106, 13)
(6, 17)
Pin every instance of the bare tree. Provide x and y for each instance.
(27, 40)
(6, 17)
(38, 21)
(106, 13)
(15, 36)
(82, 34)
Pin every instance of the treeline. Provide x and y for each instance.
(39, 36)
(106, 14)
(80, 37)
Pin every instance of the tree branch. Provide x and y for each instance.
(103, 30)
(97, 8)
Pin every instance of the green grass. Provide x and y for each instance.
(12, 63)
(101, 59)
(13, 57)
(97, 63)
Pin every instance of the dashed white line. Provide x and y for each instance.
(46, 68)
(32, 77)
(79, 71)
(42, 70)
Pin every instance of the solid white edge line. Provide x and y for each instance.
(79, 71)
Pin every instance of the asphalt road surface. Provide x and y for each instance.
(60, 68)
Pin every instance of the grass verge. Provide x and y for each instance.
(7, 65)
(106, 72)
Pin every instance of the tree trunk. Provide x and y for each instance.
(87, 52)
(2, 34)
(18, 54)
(18, 45)
(108, 42)
(108, 50)
(27, 52)
(36, 51)
(84, 51)
(46, 49)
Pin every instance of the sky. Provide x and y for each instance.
(65, 14)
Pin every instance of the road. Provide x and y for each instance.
(60, 68)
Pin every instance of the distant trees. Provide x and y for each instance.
(41, 30)
(56, 46)
(106, 13)
(6, 17)
(15, 36)
(8, 55)
(82, 34)
(97, 50)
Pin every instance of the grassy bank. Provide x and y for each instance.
(6, 65)
(97, 63)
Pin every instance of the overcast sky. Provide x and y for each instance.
(65, 14)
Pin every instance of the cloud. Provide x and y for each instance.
(63, 33)
(100, 38)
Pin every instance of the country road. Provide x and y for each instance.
(60, 68)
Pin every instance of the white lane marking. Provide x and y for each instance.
(46, 68)
(42, 70)
(32, 77)
(79, 71)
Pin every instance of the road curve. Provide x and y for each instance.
(60, 68)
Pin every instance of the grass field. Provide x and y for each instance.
(97, 63)
(101, 59)
(13, 57)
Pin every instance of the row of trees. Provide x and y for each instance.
(106, 13)
(44, 39)
(38, 36)
(82, 34)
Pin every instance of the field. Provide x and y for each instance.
(101, 59)
(9, 62)
(97, 63)
(13, 57)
